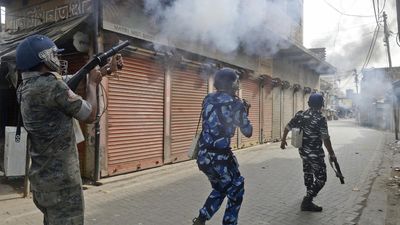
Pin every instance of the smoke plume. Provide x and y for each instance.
(227, 25)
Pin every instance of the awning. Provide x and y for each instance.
(302, 55)
(8, 44)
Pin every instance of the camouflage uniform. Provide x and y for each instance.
(221, 114)
(315, 130)
(47, 108)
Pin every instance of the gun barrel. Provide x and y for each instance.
(116, 49)
(100, 60)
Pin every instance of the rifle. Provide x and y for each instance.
(99, 60)
(335, 166)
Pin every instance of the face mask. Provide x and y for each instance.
(50, 58)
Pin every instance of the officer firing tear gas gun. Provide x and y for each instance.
(48, 107)
(222, 112)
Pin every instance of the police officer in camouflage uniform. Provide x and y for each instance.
(222, 112)
(48, 107)
(315, 131)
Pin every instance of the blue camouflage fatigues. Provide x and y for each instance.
(315, 130)
(221, 114)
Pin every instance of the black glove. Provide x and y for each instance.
(246, 105)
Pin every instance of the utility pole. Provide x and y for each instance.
(387, 34)
(356, 79)
(395, 106)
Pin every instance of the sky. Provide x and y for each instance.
(347, 38)
(2, 10)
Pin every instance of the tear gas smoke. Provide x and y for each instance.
(228, 25)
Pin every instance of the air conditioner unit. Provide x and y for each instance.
(14, 153)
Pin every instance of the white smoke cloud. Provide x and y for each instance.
(228, 25)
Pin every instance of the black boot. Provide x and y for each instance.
(198, 221)
(308, 205)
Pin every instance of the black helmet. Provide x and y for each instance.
(316, 100)
(226, 79)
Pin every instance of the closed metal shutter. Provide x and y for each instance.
(267, 110)
(135, 116)
(287, 107)
(188, 92)
(276, 113)
(300, 100)
(306, 97)
(251, 92)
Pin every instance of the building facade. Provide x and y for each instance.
(152, 106)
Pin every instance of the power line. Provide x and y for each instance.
(383, 7)
(345, 14)
(371, 47)
(355, 27)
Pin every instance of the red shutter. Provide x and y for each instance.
(188, 91)
(287, 106)
(135, 116)
(276, 112)
(267, 110)
(251, 92)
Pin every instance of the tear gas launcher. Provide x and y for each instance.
(99, 60)
(335, 166)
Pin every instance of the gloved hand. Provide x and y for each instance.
(247, 105)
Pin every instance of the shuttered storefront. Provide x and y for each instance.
(276, 112)
(287, 106)
(251, 92)
(306, 96)
(267, 110)
(135, 116)
(188, 92)
(300, 100)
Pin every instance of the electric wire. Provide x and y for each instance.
(376, 16)
(383, 7)
(371, 47)
(374, 38)
(345, 14)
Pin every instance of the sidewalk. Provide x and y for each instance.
(383, 203)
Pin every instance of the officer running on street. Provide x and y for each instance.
(222, 112)
(315, 131)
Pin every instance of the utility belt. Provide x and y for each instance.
(223, 151)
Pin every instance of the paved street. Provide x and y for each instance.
(172, 194)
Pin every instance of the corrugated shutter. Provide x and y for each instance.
(188, 92)
(306, 97)
(135, 116)
(267, 110)
(251, 92)
(287, 106)
(276, 112)
(299, 100)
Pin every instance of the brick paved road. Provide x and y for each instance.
(172, 194)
